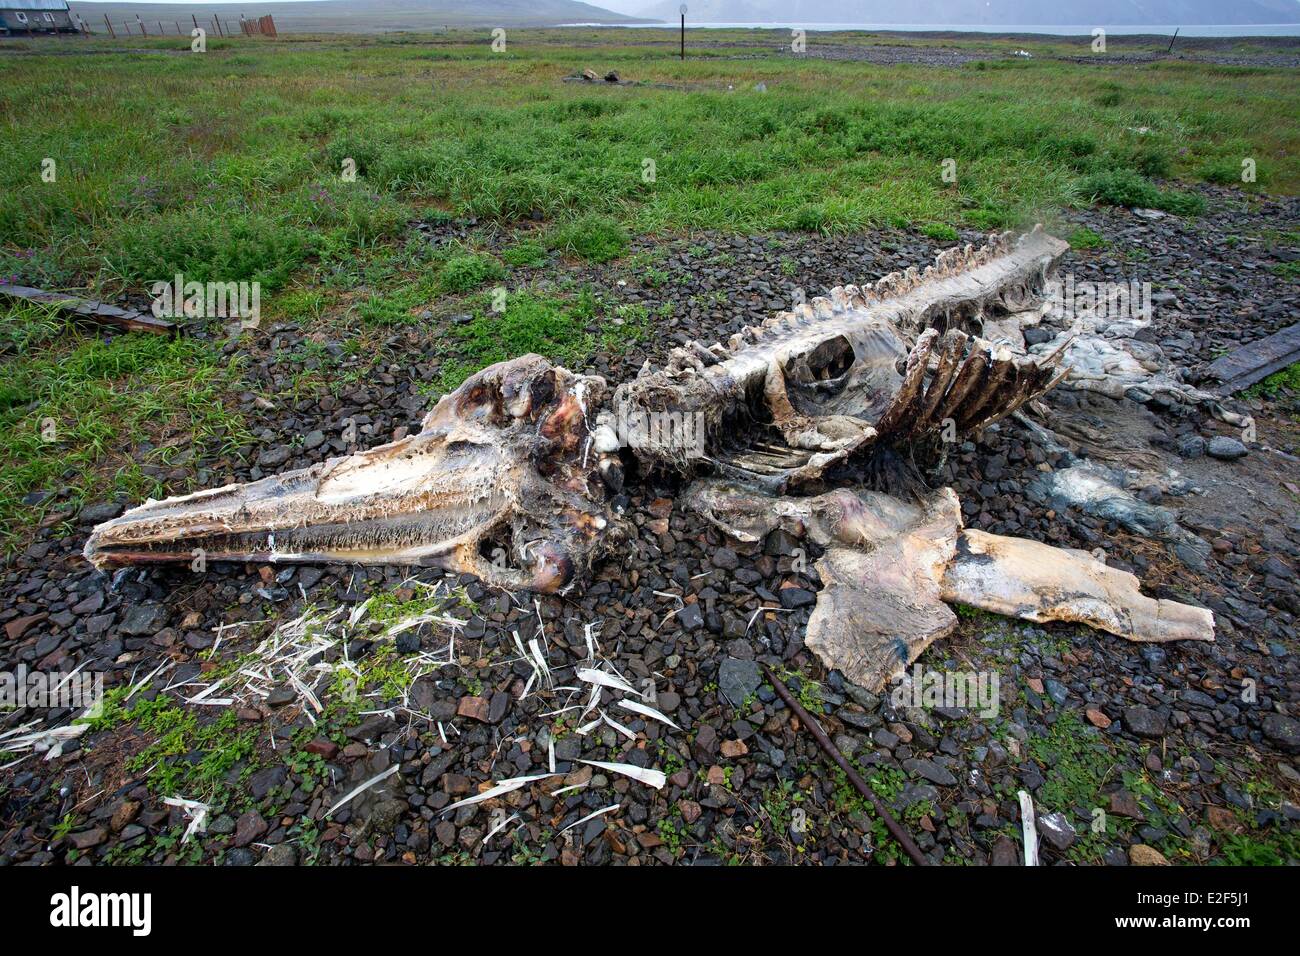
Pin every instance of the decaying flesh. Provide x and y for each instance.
(511, 474)
(1034, 581)
(891, 364)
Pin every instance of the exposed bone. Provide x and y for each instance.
(507, 477)
(509, 474)
(824, 378)
(881, 607)
(889, 566)
(509, 453)
(1105, 357)
(1022, 578)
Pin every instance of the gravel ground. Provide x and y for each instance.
(1133, 753)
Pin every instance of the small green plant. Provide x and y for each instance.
(526, 252)
(466, 273)
(1278, 384)
(1124, 187)
(1076, 761)
(1085, 238)
(63, 827)
(672, 830)
(940, 231)
(592, 237)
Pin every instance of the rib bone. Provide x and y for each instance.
(508, 477)
(824, 379)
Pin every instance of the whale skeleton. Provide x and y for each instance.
(514, 476)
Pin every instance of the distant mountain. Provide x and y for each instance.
(717, 11)
(351, 16)
(974, 12)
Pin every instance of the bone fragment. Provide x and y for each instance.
(881, 606)
(890, 566)
(1036, 582)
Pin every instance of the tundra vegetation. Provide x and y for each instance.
(228, 166)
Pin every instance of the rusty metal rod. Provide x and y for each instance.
(895, 828)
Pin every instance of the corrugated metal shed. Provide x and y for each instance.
(34, 5)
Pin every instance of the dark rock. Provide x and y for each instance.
(249, 827)
(1056, 830)
(1225, 448)
(690, 617)
(1283, 731)
(1144, 722)
(1191, 446)
(86, 839)
(797, 597)
(144, 619)
(282, 854)
(738, 679)
(931, 771)
(100, 512)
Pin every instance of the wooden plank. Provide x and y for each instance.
(1251, 363)
(130, 320)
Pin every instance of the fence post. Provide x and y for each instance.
(108, 23)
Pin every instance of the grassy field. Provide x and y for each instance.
(228, 166)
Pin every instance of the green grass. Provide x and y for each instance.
(594, 238)
(250, 184)
(1282, 386)
(526, 252)
(466, 273)
(229, 166)
(1085, 238)
(1124, 187)
(562, 329)
(68, 403)
(189, 753)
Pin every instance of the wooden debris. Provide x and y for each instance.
(805, 719)
(1258, 360)
(129, 320)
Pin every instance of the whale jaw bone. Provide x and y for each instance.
(502, 481)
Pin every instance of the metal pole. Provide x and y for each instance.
(683, 37)
(108, 23)
(1172, 39)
